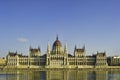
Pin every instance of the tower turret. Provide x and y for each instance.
(34, 52)
(48, 48)
(66, 49)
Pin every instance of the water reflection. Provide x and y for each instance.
(59, 75)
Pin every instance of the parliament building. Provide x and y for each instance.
(56, 57)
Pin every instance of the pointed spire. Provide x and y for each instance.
(48, 48)
(97, 52)
(84, 47)
(57, 37)
(65, 48)
(75, 47)
(16, 52)
(39, 48)
(30, 47)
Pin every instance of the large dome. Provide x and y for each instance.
(57, 43)
(57, 47)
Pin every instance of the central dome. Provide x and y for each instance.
(57, 47)
(57, 43)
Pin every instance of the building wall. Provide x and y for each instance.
(91, 60)
(56, 60)
(12, 60)
(101, 60)
(114, 61)
(2, 62)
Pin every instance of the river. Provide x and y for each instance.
(59, 75)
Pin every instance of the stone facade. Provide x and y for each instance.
(57, 57)
(101, 59)
(34, 52)
(114, 61)
(2, 61)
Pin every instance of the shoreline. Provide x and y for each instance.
(109, 68)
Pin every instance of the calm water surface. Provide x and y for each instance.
(59, 75)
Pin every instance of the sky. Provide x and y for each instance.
(93, 23)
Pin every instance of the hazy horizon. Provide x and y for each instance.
(95, 24)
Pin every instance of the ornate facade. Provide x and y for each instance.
(57, 57)
(114, 61)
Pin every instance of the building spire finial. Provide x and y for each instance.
(84, 46)
(75, 47)
(48, 48)
(57, 37)
(65, 48)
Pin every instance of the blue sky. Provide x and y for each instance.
(95, 23)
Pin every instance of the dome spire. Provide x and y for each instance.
(57, 37)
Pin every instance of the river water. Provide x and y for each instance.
(59, 75)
